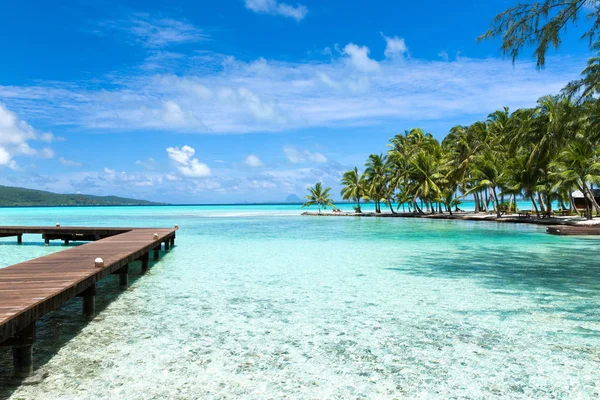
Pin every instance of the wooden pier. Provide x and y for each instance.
(31, 289)
(574, 230)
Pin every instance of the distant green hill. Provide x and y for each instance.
(16, 196)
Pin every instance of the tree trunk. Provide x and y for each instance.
(485, 204)
(542, 209)
(358, 210)
(510, 199)
(391, 207)
(497, 204)
(562, 203)
(590, 200)
(476, 198)
(534, 205)
(594, 202)
(417, 207)
(319, 207)
(487, 201)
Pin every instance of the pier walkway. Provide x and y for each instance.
(574, 230)
(31, 289)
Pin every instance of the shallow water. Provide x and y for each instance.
(257, 302)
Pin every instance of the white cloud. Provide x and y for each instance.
(253, 161)
(274, 7)
(149, 164)
(219, 94)
(395, 47)
(444, 55)
(187, 165)
(69, 163)
(359, 57)
(295, 156)
(155, 32)
(15, 135)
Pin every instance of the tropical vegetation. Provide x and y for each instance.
(318, 195)
(543, 154)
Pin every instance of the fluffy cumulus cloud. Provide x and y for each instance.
(15, 138)
(274, 7)
(354, 87)
(253, 161)
(225, 184)
(359, 58)
(185, 162)
(295, 156)
(394, 47)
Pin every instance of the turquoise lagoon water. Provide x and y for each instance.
(258, 302)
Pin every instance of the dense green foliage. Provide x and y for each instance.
(15, 196)
(543, 153)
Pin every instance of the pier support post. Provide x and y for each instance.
(46, 240)
(23, 360)
(66, 242)
(172, 242)
(145, 262)
(123, 276)
(167, 245)
(22, 350)
(89, 301)
(20, 239)
(156, 253)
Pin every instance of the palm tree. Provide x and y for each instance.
(489, 176)
(579, 162)
(543, 153)
(375, 175)
(319, 196)
(354, 187)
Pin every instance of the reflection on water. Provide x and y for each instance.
(270, 306)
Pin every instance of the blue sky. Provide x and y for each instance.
(242, 100)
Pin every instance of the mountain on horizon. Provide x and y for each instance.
(293, 198)
(17, 196)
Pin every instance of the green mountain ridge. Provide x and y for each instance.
(17, 196)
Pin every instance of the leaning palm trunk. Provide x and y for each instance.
(542, 209)
(534, 205)
(391, 207)
(593, 200)
(497, 203)
(476, 198)
(548, 202)
(572, 206)
(416, 206)
(485, 203)
(510, 200)
(588, 203)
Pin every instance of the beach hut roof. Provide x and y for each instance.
(578, 195)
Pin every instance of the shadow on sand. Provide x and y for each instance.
(60, 326)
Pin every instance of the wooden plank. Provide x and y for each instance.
(573, 230)
(31, 289)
